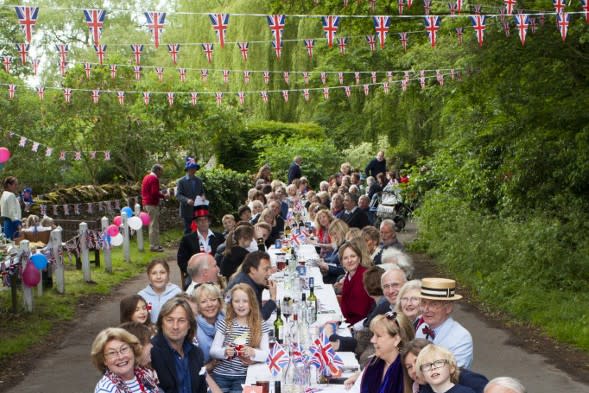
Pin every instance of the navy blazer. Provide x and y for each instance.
(162, 361)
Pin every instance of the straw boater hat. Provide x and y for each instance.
(439, 289)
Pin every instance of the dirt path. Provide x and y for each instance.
(498, 351)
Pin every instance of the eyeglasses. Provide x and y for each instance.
(411, 299)
(433, 365)
(391, 286)
(123, 350)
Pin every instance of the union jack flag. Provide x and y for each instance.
(35, 147)
(366, 89)
(208, 50)
(35, 63)
(286, 77)
(507, 28)
(146, 97)
(95, 96)
(432, 25)
(427, 5)
(477, 9)
(63, 51)
(87, 69)
(559, 6)
(220, 23)
(62, 68)
(193, 98)
(309, 44)
(563, 20)
(285, 95)
(323, 77)
(41, 92)
(306, 95)
(264, 95)
(509, 5)
(182, 74)
(246, 76)
(340, 77)
(219, 97)
(406, 76)
(403, 37)
(478, 24)
(458, 6)
(385, 87)
(48, 152)
(7, 61)
(11, 90)
(330, 25)
(225, 76)
(390, 76)
(27, 18)
(381, 25)
(137, 71)
(100, 52)
(173, 50)
(341, 43)
(522, 22)
(243, 49)
(372, 5)
(107, 155)
(113, 71)
(357, 76)
(585, 7)
(297, 238)
(502, 14)
(452, 7)
(156, 22)
(204, 75)
(440, 77)
(452, 73)
(241, 97)
(276, 24)
(533, 25)
(422, 79)
(277, 358)
(371, 40)
(170, 96)
(67, 94)
(459, 34)
(23, 51)
(266, 77)
(137, 49)
(409, 3)
(160, 73)
(95, 21)
(348, 91)
(324, 357)
(373, 76)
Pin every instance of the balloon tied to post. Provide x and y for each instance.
(4, 156)
(113, 232)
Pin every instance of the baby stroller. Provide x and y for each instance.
(391, 206)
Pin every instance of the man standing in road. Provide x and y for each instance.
(437, 303)
(294, 171)
(150, 196)
(189, 188)
(377, 165)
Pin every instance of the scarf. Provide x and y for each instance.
(393, 379)
(146, 382)
(205, 326)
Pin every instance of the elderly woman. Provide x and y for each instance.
(115, 352)
(355, 303)
(209, 304)
(160, 289)
(408, 302)
(330, 266)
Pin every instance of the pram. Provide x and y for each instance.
(390, 205)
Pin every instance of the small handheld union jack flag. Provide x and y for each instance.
(330, 25)
(156, 22)
(95, 21)
(220, 23)
(277, 359)
(173, 50)
(27, 18)
(432, 25)
(324, 358)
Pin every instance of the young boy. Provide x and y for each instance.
(437, 366)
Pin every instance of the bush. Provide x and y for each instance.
(225, 189)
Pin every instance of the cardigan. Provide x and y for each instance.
(355, 303)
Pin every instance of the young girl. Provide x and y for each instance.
(159, 290)
(241, 339)
(134, 309)
(437, 366)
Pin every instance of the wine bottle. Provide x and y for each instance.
(312, 301)
(279, 327)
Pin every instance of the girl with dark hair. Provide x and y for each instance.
(159, 289)
(236, 248)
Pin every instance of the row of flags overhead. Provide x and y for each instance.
(38, 147)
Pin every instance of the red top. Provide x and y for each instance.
(355, 304)
(150, 190)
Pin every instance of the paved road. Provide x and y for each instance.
(69, 369)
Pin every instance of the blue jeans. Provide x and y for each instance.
(229, 383)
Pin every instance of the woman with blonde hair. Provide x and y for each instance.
(331, 267)
(209, 301)
(323, 220)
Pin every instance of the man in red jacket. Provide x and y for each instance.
(151, 195)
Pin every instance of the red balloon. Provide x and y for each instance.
(31, 276)
(145, 219)
(112, 230)
(118, 221)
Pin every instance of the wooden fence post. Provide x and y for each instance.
(27, 291)
(40, 285)
(139, 232)
(84, 251)
(56, 249)
(126, 245)
(106, 249)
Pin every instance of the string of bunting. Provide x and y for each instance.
(76, 209)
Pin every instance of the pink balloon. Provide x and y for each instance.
(31, 276)
(145, 219)
(112, 230)
(4, 155)
(118, 221)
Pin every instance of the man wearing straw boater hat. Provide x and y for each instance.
(437, 303)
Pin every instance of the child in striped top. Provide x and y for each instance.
(241, 339)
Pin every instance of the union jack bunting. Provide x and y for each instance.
(285, 95)
(341, 43)
(522, 21)
(11, 90)
(340, 77)
(137, 49)
(409, 3)
(100, 52)
(241, 97)
(146, 97)
(348, 91)
(452, 7)
(533, 25)
(66, 208)
(246, 76)
(173, 50)
(35, 147)
(432, 25)
(477, 9)
(87, 69)
(219, 97)
(220, 23)
(286, 76)
(559, 6)
(170, 96)
(277, 359)
(509, 5)
(160, 73)
(95, 96)
(92, 157)
(63, 50)
(371, 40)
(406, 76)
(225, 76)
(208, 50)
(77, 157)
(381, 25)
(478, 24)
(95, 21)
(400, 5)
(306, 95)
(22, 141)
(266, 77)
(506, 28)
(389, 76)
(325, 96)
(276, 24)
(373, 76)
(585, 7)
(306, 77)
(330, 25)
(113, 71)
(563, 20)
(243, 49)
(372, 5)
(357, 76)
(458, 6)
(440, 77)
(7, 61)
(156, 22)
(502, 14)
(427, 5)
(48, 152)
(366, 89)
(323, 76)
(107, 155)
(310, 44)
(193, 98)
(182, 74)
(67, 94)
(27, 18)
(385, 87)
(403, 38)
(137, 71)
(23, 51)
(204, 75)
(264, 95)
(41, 92)
(459, 34)
(422, 79)
(62, 68)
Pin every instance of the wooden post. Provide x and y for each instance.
(84, 252)
(59, 270)
(106, 250)
(40, 286)
(126, 242)
(27, 291)
(139, 232)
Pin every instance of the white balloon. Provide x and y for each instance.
(135, 223)
(116, 240)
